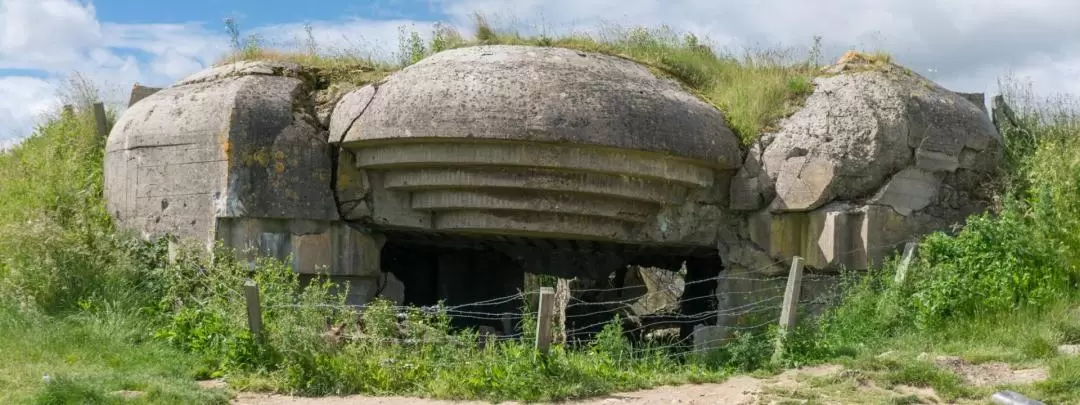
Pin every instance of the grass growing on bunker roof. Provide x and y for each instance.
(754, 88)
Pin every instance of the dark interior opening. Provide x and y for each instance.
(472, 274)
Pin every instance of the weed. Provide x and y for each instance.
(754, 90)
(984, 291)
(100, 311)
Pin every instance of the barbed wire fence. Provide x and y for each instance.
(747, 301)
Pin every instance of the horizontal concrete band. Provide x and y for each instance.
(509, 201)
(533, 224)
(315, 247)
(572, 158)
(531, 188)
(550, 181)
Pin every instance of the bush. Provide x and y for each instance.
(1025, 256)
(1021, 258)
(60, 251)
(381, 349)
(204, 301)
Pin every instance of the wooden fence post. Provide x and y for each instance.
(100, 119)
(172, 249)
(543, 319)
(562, 300)
(905, 262)
(254, 309)
(788, 316)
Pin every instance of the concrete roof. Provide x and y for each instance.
(541, 94)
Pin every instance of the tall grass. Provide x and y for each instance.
(754, 88)
(99, 311)
(1005, 287)
(72, 289)
(87, 311)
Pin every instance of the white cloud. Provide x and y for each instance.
(374, 38)
(965, 45)
(20, 109)
(56, 38)
(176, 50)
(44, 34)
(954, 37)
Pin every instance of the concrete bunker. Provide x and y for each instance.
(449, 180)
(462, 176)
(498, 161)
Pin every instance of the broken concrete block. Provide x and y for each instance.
(804, 184)
(910, 190)
(140, 92)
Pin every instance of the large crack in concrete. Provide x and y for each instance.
(335, 158)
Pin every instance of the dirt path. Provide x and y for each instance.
(739, 390)
(735, 391)
(828, 384)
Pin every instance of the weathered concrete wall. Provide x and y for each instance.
(315, 247)
(236, 154)
(878, 156)
(139, 92)
(539, 142)
(235, 141)
(537, 149)
(166, 170)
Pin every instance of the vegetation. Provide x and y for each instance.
(1003, 288)
(71, 287)
(753, 89)
(88, 312)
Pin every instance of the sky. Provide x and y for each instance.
(965, 45)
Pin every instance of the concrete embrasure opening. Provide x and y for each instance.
(491, 281)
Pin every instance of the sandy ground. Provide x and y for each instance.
(739, 390)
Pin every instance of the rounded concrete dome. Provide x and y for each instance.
(523, 140)
(542, 94)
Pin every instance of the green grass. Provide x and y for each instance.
(296, 358)
(1003, 288)
(100, 311)
(754, 88)
(88, 357)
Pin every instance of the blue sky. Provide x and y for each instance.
(262, 12)
(966, 45)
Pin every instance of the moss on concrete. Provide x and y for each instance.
(754, 89)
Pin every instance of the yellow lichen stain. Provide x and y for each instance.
(343, 178)
(261, 157)
(279, 167)
(226, 147)
(865, 58)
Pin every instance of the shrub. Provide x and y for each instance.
(1021, 258)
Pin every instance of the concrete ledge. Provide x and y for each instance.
(316, 247)
(455, 153)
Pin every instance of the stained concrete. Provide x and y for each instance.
(454, 177)
(876, 157)
(236, 154)
(543, 95)
(139, 92)
(538, 142)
